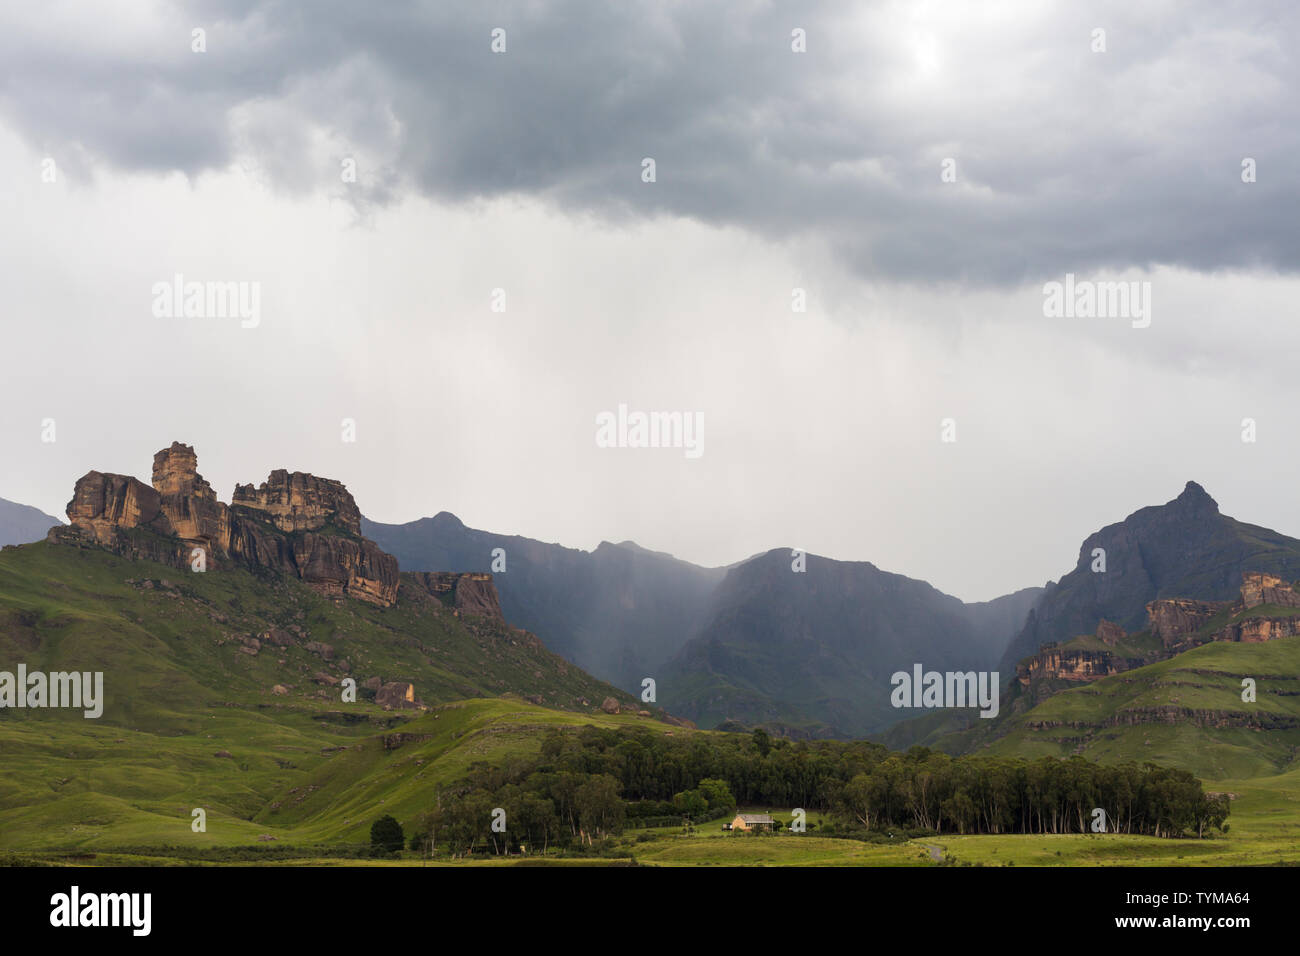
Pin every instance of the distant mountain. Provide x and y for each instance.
(22, 524)
(805, 653)
(812, 653)
(619, 612)
(1184, 548)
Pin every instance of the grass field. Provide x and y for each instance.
(328, 800)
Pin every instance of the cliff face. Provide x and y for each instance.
(1178, 623)
(1056, 663)
(470, 592)
(1257, 630)
(294, 523)
(103, 504)
(1259, 588)
(1174, 620)
(301, 502)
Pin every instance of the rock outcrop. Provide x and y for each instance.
(1054, 663)
(294, 523)
(300, 502)
(1258, 588)
(1257, 630)
(1110, 633)
(469, 592)
(103, 504)
(1174, 620)
(1179, 623)
(398, 694)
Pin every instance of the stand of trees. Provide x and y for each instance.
(586, 782)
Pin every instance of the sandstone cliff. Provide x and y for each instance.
(1175, 620)
(294, 523)
(469, 592)
(1054, 663)
(1074, 663)
(1174, 625)
(1259, 588)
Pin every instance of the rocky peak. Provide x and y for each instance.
(1183, 548)
(176, 472)
(183, 512)
(1195, 501)
(187, 501)
(102, 503)
(297, 501)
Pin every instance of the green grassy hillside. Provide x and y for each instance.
(1186, 712)
(191, 717)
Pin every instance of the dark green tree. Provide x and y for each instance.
(386, 835)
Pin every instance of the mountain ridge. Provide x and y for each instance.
(1183, 548)
(23, 524)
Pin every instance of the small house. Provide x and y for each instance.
(752, 821)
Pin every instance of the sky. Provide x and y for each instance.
(499, 272)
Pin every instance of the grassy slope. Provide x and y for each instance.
(178, 690)
(1186, 711)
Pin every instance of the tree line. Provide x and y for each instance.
(587, 783)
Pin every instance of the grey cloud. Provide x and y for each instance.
(1067, 160)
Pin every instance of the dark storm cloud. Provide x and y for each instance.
(1068, 160)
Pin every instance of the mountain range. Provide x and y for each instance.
(805, 652)
(803, 647)
(20, 524)
(620, 611)
(810, 653)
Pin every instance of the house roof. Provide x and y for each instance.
(756, 818)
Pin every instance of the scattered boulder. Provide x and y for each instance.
(277, 637)
(396, 694)
(326, 651)
(609, 705)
